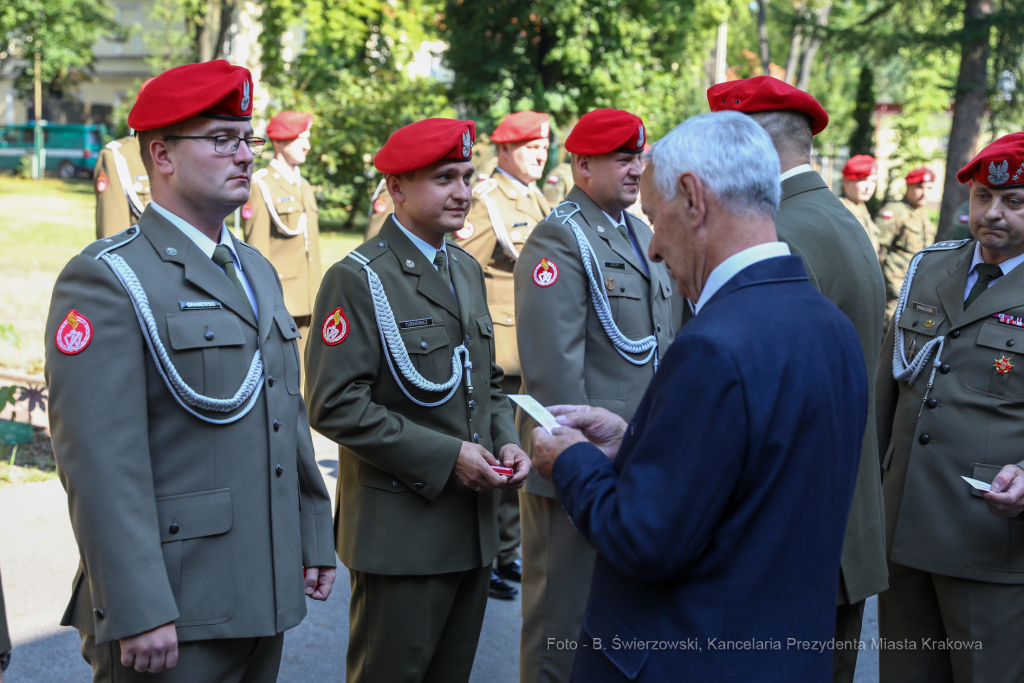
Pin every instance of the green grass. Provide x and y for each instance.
(43, 225)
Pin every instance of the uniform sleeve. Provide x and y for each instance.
(340, 381)
(316, 517)
(887, 393)
(482, 243)
(256, 228)
(99, 426)
(112, 212)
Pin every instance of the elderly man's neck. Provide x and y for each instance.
(732, 233)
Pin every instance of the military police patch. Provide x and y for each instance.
(545, 273)
(466, 232)
(74, 333)
(102, 182)
(335, 327)
(247, 211)
(380, 205)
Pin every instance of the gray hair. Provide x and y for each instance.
(732, 155)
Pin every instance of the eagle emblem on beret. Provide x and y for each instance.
(640, 140)
(467, 144)
(245, 96)
(545, 129)
(998, 174)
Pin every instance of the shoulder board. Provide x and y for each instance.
(633, 215)
(113, 144)
(485, 186)
(380, 186)
(947, 245)
(451, 243)
(563, 212)
(366, 252)
(247, 246)
(101, 247)
(258, 175)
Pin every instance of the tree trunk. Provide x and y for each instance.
(762, 37)
(821, 19)
(968, 105)
(223, 25)
(795, 43)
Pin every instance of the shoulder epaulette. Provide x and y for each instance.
(260, 174)
(563, 212)
(368, 251)
(248, 246)
(485, 186)
(947, 245)
(451, 243)
(113, 144)
(100, 247)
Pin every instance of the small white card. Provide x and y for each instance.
(980, 485)
(535, 410)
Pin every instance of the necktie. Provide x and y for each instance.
(222, 257)
(622, 231)
(442, 266)
(986, 274)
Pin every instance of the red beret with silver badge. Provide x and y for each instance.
(289, 124)
(859, 167)
(1001, 164)
(764, 93)
(604, 131)
(521, 127)
(426, 142)
(920, 175)
(214, 89)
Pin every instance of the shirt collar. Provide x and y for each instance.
(520, 185)
(730, 267)
(202, 241)
(289, 175)
(621, 220)
(796, 170)
(428, 249)
(1006, 266)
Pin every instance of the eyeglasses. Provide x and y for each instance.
(225, 144)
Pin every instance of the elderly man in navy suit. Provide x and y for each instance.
(718, 512)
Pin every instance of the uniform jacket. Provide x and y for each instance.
(902, 232)
(399, 510)
(121, 195)
(566, 355)
(719, 519)
(295, 256)
(381, 206)
(863, 216)
(558, 183)
(841, 263)
(177, 519)
(499, 207)
(5, 637)
(934, 520)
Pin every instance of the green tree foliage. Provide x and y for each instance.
(862, 141)
(63, 32)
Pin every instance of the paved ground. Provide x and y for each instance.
(38, 558)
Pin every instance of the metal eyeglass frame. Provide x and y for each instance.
(255, 145)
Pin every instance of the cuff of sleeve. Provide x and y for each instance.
(574, 461)
(124, 606)
(318, 541)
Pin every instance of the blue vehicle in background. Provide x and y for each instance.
(70, 149)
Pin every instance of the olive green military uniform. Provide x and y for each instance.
(567, 357)
(863, 216)
(122, 187)
(284, 226)
(5, 636)
(381, 206)
(902, 232)
(557, 184)
(418, 545)
(499, 221)
(841, 263)
(956, 569)
(178, 519)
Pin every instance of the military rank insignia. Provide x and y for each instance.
(380, 205)
(102, 183)
(74, 333)
(247, 211)
(335, 327)
(545, 273)
(1003, 366)
(466, 232)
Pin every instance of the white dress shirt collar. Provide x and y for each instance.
(796, 170)
(972, 275)
(615, 222)
(291, 176)
(519, 185)
(429, 250)
(730, 267)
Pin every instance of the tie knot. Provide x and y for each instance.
(222, 256)
(988, 272)
(439, 260)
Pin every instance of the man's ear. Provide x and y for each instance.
(163, 156)
(582, 163)
(691, 190)
(394, 186)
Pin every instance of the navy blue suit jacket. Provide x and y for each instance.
(720, 523)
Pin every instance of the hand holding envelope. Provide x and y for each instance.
(566, 425)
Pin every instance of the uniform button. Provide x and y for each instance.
(1010, 342)
(944, 369)
(270, 381)
(209, 335)
(293, 328)
(924, 439)
(418, 485)
(914, 324)
(380, 244)
(131, 231)
(99, 613)
(174, 528)
(932, 402)
(279, 470)
(508, 320)
(492, 331)
(472, 404)
(955, 334)
(277, 426)
(423, 344)
(395, 483)
(622, 288)
(476, 438)
(658, 327)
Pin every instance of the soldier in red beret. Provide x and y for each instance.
(860, 177)
(280, 218)
(904, 229)
(401, 373)
(182, 438)
(842, 263)
(594, 314)
(950, 405)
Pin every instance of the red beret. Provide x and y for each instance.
(764, 93)
(522, 126)
(426, 142)
(288, 125)
(920, 175)
(1001, 164)
(604, 131)
(859, 167)
(212, 89)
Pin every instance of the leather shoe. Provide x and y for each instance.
(512, 572)
(499, 589)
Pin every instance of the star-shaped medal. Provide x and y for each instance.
(1003, 366)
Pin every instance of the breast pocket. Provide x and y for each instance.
(200, 342)
(429, 352)
(918, 329)
(993, 364)
(625, 290)
(292, 363)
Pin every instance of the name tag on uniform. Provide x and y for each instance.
(408, 324)
(198, 305)
(1009, 319)
(519, 225)
(924, 308)
(613, 264)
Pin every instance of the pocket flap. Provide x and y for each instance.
(285, 323)
(193, 515)
(920, 322)
(601, 624)
(985, 473)
(503, 315)
(203, 329)
(421, 340)
(483, 323)
(666, 287)
(999, 336)
(624, 285)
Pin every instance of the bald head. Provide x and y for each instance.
(790, 132)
